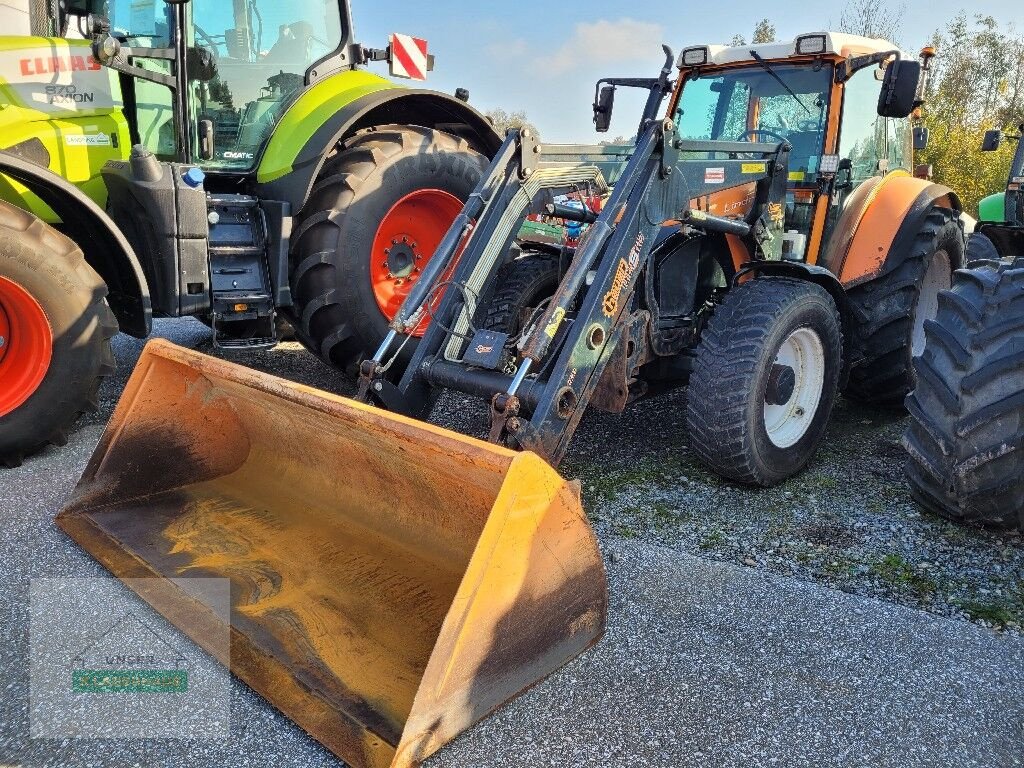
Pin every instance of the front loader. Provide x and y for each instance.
(393, 582)
(231, 160)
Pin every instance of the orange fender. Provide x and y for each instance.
(873, 219)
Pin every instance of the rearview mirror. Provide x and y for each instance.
(992, 141)
(603, 108)
(899, 88)
(83, 7)
(920, 139)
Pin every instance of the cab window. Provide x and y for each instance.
(751, 104)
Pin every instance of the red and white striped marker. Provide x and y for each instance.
(408, 57)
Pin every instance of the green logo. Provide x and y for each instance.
(129, 681)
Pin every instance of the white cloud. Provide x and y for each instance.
(516, 48)
(604, 42)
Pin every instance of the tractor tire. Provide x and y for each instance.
(890, 311)
(523, 285)
(56, 327)
(374, 218)
(980, 248)
(966, 433)
(765, 379)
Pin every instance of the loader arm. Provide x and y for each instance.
(592, 314)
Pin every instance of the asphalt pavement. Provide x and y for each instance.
(704, 663)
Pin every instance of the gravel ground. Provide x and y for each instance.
(847, 523)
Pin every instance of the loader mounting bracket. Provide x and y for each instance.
(529, 153)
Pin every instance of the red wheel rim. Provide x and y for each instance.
(27, 345)
(406, 240)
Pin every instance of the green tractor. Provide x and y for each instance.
(230, 160)
(966, 434)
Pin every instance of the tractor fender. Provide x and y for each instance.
(814, 274)
(388, 105)
(882, 216)
(993, 207)
(105, 247)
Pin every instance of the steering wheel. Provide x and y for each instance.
(756, 131)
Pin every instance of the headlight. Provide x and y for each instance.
(829, 164)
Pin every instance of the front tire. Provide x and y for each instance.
(966, 434)
(56, 328)
(765, 380)
(523, 285)
(890, 311)
(374, 218)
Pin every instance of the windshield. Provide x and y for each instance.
(750, 105)
(259, 52)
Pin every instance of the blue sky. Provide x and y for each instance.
(544, 57)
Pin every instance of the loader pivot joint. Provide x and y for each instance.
(504, 416)
(371, 380)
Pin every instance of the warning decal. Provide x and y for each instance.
(714, 175)
(409, 57)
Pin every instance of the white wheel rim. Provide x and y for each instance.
(936, 279)
(805, 354)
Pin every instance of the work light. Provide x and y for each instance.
(808, 44)
(693, 57)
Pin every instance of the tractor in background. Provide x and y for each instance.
(966, 435)
(233, 161)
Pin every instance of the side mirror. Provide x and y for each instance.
(899, 88)
(844, 174)
(206, 139)
(82, 7)
(921, 136)
(603, 108)
(992, 141)
(921, 139)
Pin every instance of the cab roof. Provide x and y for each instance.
(836, 44)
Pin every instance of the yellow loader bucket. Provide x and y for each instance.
(392, 582)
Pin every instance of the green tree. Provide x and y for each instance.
(503, 121)
(873, 18)
(977, 83)
(764, 32)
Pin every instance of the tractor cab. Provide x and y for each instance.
(819, 93)
(209, 81)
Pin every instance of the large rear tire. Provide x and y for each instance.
(56, 328)
(890, 311)
(980, 248)
(765, 380)
(966, 433)
(373, 220)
